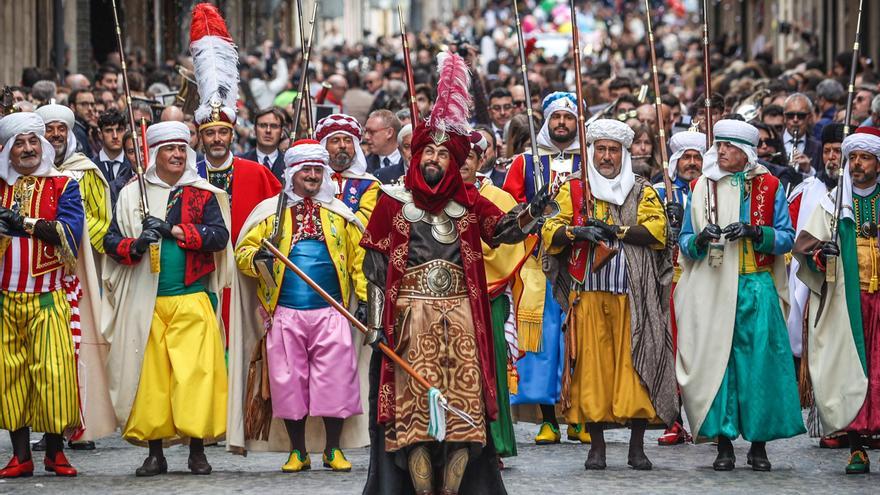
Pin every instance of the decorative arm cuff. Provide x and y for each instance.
(192, 238)
(768, 240)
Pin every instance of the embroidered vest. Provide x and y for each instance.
(762, 209)
(193, 201)
(529, 173)
(37, 197)
(352, 192)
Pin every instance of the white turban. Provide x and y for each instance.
(344, 124)
(863, 139)
(558, 101)
(15, 125)
(682, 142)
(308, 152)
(738, 133)
(60, 113)
(167, 134)
(615, 189)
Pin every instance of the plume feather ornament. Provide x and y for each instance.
(215, 63)
(453, 104)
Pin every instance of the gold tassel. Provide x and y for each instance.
(873, 284)
(512, 378)
(529, 334)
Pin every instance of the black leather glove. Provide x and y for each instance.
(142, 243)
(539, 203)
(828, 249)
(709, 233)
(160, 226)
(13, 219)
(263, 256)
(740, 230)
(589, 233)
(608, 230)
(361, 312)
(374, 338)
(5, 229)
(675, 214)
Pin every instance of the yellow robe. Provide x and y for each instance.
(605, 387)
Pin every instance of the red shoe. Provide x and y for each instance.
(674, 435)
(60, 465)
(17, 469)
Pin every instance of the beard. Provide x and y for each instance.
(434, 175)
(832, 171)
(563, 137)
(216, 153)
(488, 165)
(341, 161)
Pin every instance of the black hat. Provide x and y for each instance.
(832, 133)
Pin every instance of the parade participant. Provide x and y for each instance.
(97, 414)
(538, 315)
(166, 368)
(623, 364)
(501, 264)
(215, 62)
(312, 362)
(734, 363)
(844, 314)
(341, 135)
(428, 300)
(41, 222)
(685, 165)
(802, 201)
(94, 188)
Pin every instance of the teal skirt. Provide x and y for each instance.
(758, 397)
(502, 428)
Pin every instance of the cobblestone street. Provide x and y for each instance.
(799, 467)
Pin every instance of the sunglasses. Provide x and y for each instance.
(623, 117)
(765, 142)
(519, 103)
(796, 115)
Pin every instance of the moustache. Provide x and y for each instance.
(29, 154)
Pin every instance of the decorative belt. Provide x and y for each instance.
(437, 278)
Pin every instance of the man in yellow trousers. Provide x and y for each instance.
(166, 367)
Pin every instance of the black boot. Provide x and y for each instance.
(198, 461)
(726, 459)
(596, 457)
(757, 457)
(155, 463)
(637, 458)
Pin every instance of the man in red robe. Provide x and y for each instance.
(427, 298)
(214, 60)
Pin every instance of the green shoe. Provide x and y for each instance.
(858, 463)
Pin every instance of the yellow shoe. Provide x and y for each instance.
(573, 433)
(547, 434)
(584, 436)
(337, 461)
(297, 462)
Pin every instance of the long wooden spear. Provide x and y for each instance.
(658, 108)
(831, 261)
(407, 64)
(602, 252)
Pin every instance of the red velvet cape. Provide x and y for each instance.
(388, 233)
(251, 184)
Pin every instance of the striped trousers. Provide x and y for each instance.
(38, 384)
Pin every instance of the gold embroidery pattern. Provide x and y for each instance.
(437, 342)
